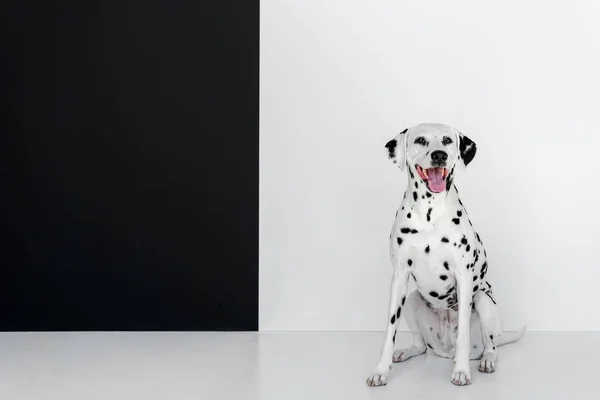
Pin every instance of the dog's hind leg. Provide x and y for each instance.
(412, 310)
(491, 328)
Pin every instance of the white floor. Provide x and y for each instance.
(279, 366)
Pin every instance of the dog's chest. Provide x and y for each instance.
(434, 239)
(435, 282)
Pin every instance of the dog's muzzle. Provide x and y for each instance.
(434, 177)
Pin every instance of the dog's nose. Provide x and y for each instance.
(439, 156)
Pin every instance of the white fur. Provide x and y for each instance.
(453, 310)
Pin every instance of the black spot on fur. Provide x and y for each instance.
(428, 194)
(393, 319)
(433, 294)
(399, 240)
(464, 240)
(442, 297)
(416, 185)
(429, 214)
(475, 288)
(414, 231)
(446, 265)
(415, 196)
(411, 173)
(408, 215)
(428, 345)
(467, 149)
(468, 247)
(403, 299)
(391, 147)
(409, 262)
(456, 220)
(445, 240)
(427, 249)
(459, 213)
(443, 277)
(474, 278)
(394, 338)
(398, 313)
(449, 179)
(491, 337)
(405, 230)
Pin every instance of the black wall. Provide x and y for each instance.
(129, 176)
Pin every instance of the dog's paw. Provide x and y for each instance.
(377, 378)
(487, 365)
(461, 378)
(404, 354)
(400, 355)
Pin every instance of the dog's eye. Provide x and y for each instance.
(421, 140)
(446, 140)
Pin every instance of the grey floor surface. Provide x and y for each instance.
(280, 366)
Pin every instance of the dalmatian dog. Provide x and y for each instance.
(453, 311)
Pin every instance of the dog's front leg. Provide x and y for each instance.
(462, 374)
(398, 291)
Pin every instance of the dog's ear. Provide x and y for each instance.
(396, 149)
(467, 149)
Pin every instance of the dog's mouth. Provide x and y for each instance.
(434, 177)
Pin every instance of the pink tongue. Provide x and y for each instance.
(436, 182)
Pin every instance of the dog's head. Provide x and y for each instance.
(432, 151)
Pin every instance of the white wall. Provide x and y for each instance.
(339, 78)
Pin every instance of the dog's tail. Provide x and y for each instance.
(511, 337)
